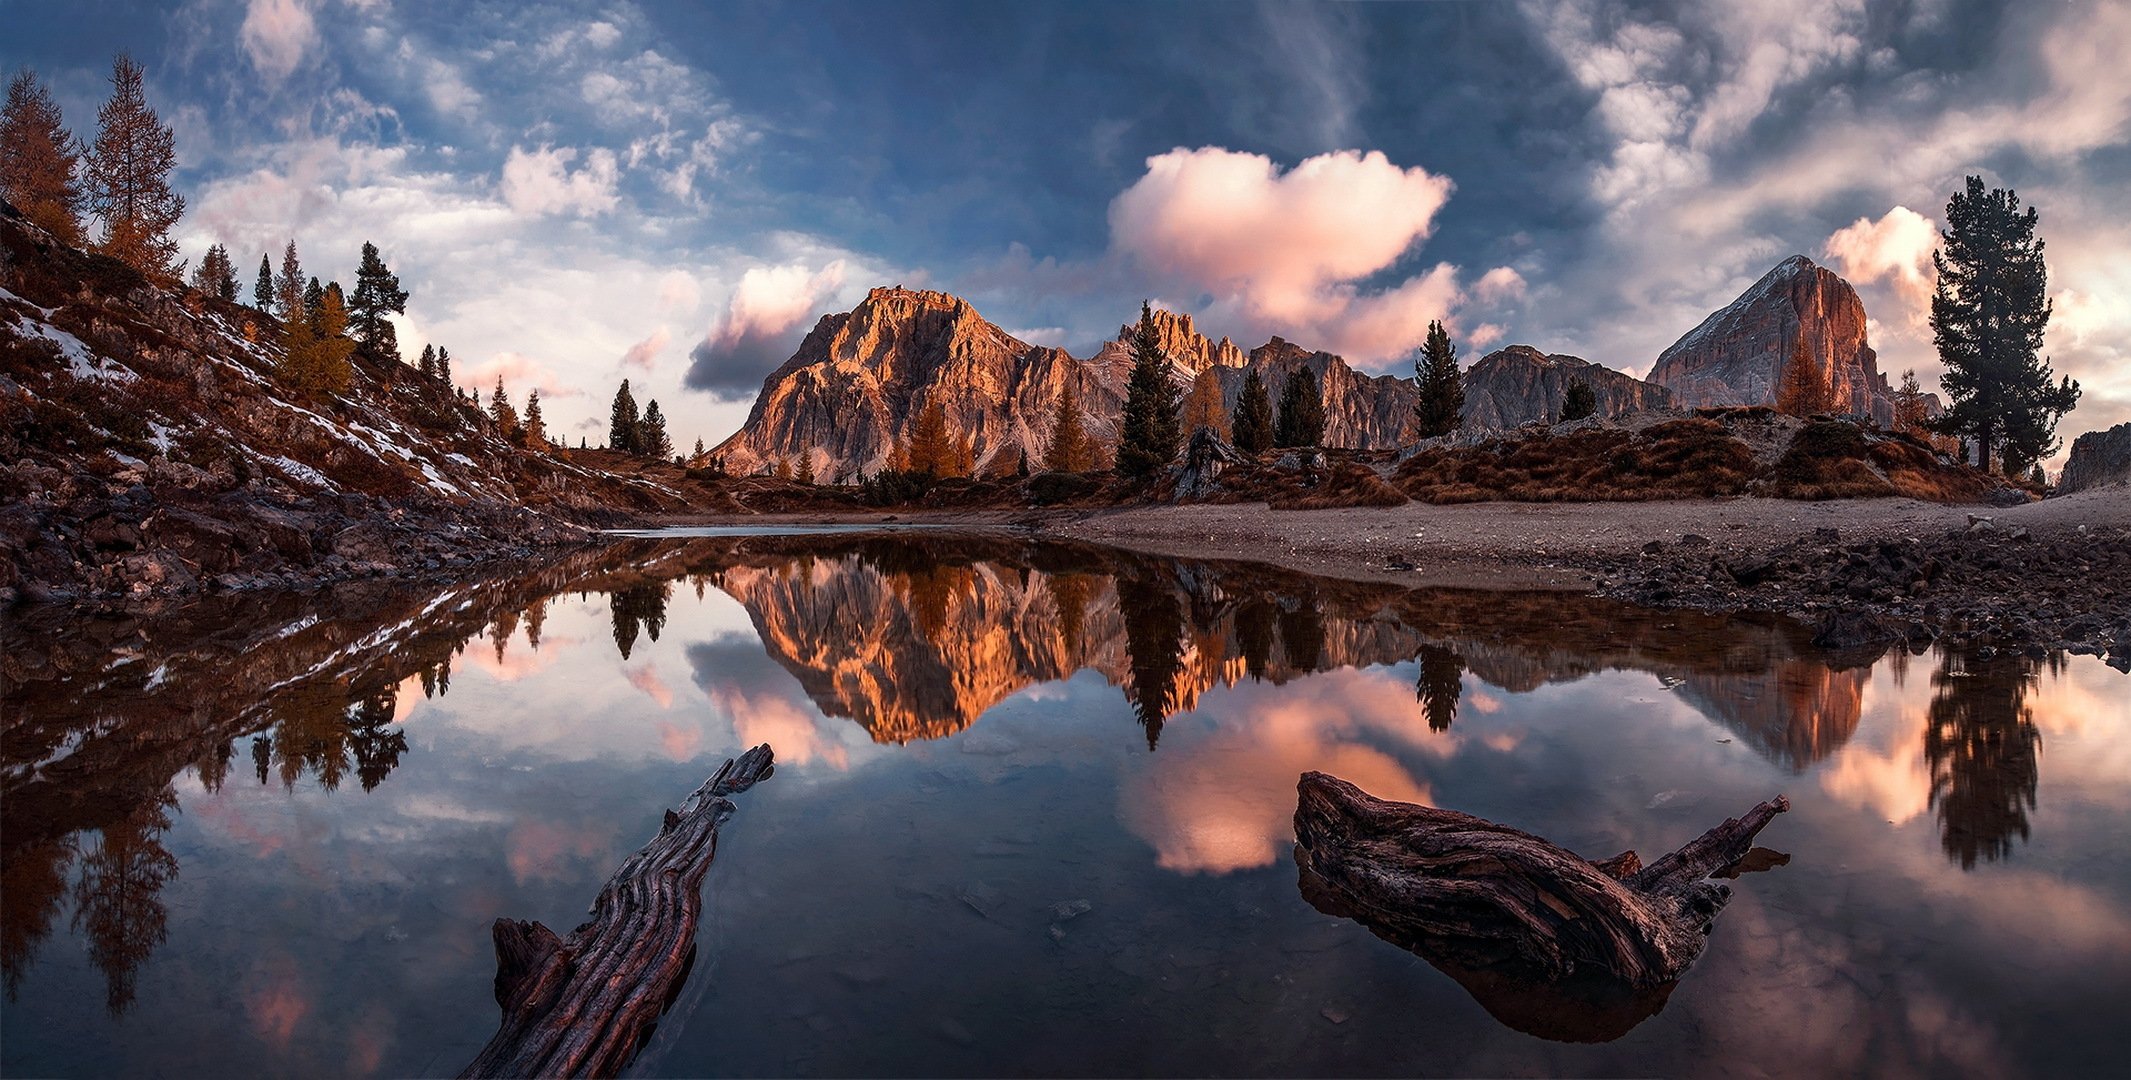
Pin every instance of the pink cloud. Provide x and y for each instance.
(641, 354)
(519, 373)
(1498, 285)
(646, 679)
(541, 181)
(1483, 335)
(1896, 248)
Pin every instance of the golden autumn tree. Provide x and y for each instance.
(1803, 390)
(1070, 450)
(933, 450)
(1203, 407)
(129, 167)
(39, 158)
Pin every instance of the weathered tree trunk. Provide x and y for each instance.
(584, 1006)
(1485, 897)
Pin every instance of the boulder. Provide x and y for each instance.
(2098, 458)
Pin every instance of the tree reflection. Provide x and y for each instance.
(1154, 639)
(1302, 634)
(1984, 752)
(1439, 684)
(1254, 635)
(638, 608)
(315, 731)
(33, 881)
(117, 898)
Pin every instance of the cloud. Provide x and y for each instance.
(759, 328)
(518, 372)
(1287, 249)
(276, 34)
(1499, 285)
(541, 182)
(1485, 334)
(1895, 248)
(641, 354)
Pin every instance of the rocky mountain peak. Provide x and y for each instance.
(1182, 342)
(1517, 383)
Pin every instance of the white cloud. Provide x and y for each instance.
(1484, 335)
(541, 182)
(1896, 249)
(642, 354)
(276, 34)
(1498, 285)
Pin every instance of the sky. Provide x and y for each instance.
(578, 193)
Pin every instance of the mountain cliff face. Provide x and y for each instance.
(2098, 458)
(1737, 355)
(1509, 386)
(860, 380)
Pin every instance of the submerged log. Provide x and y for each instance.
(583, 1006)
(1478, 897)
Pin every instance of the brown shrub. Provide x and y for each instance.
(1346, 484)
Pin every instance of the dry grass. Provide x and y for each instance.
(1345, 483)
(1688, 458)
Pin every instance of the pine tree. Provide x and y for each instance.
(263, 289)
(316, 357)
(1069, 450)
(1148, 434)
(622, 421)
(129, 170)
(500, 410)
(314, 302)
(651, 438)
(1301, 411)
(806, 468)
(1988, 313)
(1253, 423)
(698, 455)
(1911, 414)
(1803, 389)
(428, 364)
(1441, 405)
(1578, 401)
(444, 365)
(215, 276)
(536, 426)
(39, 159)
(288, 285)
(1202, 406)
(932, 449)
(377, 294)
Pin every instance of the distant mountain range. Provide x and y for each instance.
(860, 379)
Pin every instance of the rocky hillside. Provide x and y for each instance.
(1509, 386)
(1737, 355)
(149, 447)
(2098, 458)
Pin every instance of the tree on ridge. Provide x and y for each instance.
(1440, 406)
(129, 169)
(40, 159)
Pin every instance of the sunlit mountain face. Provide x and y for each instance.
(1032, 813)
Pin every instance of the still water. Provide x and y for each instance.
(1031, 815)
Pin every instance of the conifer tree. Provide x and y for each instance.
(428, 364)
(806, 468)
(1910, 411)
(932, 449)
(651, 438)
(316, 356)
(314, 302)
(129, 169)
(898, 457)
(500, 410)
(622, 421)
(1988, 313)
(698, 455)
(263, 289)
(1803, 389)
(1253, 423)
(1148, 434)
(377, 294)
(965, 457)
(1202, 406)
(536, 425)
(1069, 450)
(444, 365)
(1301, 411)
(1441, 405)
(39, 159)
(1578, 401)
(288, 285)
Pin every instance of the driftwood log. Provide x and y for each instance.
(584, 1006)
(1509, 914)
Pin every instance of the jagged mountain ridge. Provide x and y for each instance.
(1512, 385)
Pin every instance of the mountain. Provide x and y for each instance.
(1736, 356)
(1510, 386)
(860, 379)
(2097, 458)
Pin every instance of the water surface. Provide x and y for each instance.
(1031, 815)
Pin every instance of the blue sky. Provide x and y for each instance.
(578, 193)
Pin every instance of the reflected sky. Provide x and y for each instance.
(288, 823)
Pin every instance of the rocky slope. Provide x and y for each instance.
(2098, 458)
(148, 447)
(1737, 355)
(1509, 386)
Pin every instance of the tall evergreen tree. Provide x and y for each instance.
(536, 425)
(39, 159)
(1253, 423)
(932, 446)
(1911, 413)
(1202, 406)
(805, 474)
(444, 365)
(1069, 450)
(215, 276)
(129, 169)
(1802, 389)
(1988, 313)
(500, 410)
(288, 285)
(1441, 404)
(699, 450)
(315, 359)
(651, 438)
(622, 421)
(428, 364)
(377, 294)
(1301, 411)
(1149, 432)
(263, 288)
(1578, 401)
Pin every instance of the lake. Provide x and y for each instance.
(1032, 815)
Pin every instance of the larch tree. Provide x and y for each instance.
(40, 159)
(1440, 407)
(805, 474)
(1301, 411)
(1988, 313)
(501, 411)
(932, 447)
(129, 167)
(1069, 450)
(965, 457)
(1578, 401)
(1149, 432)
(377, 294)
(651, 438)
(622, 421)
(1911, 413)
(263, 288)
(1203, 407)
(1803, 389)
(215, 276)
(1253, 422)
(536, 425)
(315, 359)
(288, 285)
